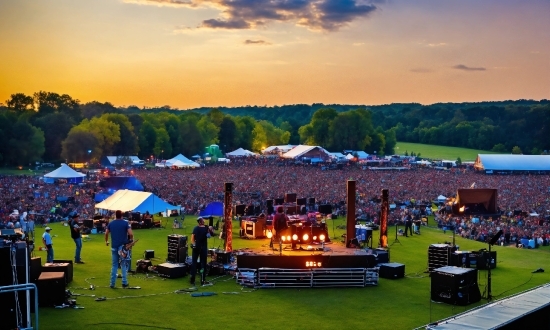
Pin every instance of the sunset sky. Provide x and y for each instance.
(207, 53)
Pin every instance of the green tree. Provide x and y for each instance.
(352, 130)
(147, 138)
(458, 161)
(245, 126)
(216, 117)
(106, 132)
(20, 102)
(228, 134)
(499, 148)
(53, 103)
(75, 147)
(128, 144)
(192, 142)
(319, 128)
(259, 138)
(516, 150)
(163, 147)
(96, 109)
(56, 127)
(209, 131)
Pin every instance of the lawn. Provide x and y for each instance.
(439, 152)
(393, 304)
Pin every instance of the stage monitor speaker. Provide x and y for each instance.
(279, 201)
(455, 286)
(325, 209)
(269, 202)
(301, 201)
(240, 209)
(270, 210)
(249, 210)
(392, 270)
(290, 198)
(291, 210)
(228, 187)
(311, 201)
(51, 289)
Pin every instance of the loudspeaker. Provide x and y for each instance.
(279, 201)
(300, 201)
(36, 269)
(228, 187)
(391, 270)
(291, 210)
(290, 198)
(240, 209)
(325, 209)
(485, 260)
(149, 254)
(172, 270)
(65, 267)
(51, 289)
(455, 286)
(311, 201)
(270, 210)
(269, 203)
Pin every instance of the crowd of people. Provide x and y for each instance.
(256, 180)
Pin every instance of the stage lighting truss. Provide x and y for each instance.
(304, 236)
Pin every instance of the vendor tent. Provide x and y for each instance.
(181, 161)
(137, 201)
(240, 153)
(64, 172)
(441, 198)
(214, 209)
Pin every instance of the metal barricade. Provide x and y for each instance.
(25, 287)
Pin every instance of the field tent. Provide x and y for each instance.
(64, 172)
(137, 201)
(214, 209)
(240, 153)
(181, 161)
(441, 198)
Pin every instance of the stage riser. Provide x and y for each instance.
(302, 262)
(314, 278)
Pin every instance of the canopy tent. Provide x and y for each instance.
(137, 201)
(441, 198)
(423, 162)
(121, 182)
(512, 162)
(349, 156)
(240, 153)
(181, 161)
(214, 209)
(64, 172)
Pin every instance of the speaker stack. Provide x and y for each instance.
(177, 248)
(455, 285)
(439, 255)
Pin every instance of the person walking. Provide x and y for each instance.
(47, 241)
(76, 236)
(199, 246)
(408, 224)
(121, 234)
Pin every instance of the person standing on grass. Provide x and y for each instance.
(47, 241)
(199, 245)
(76, 236)
(121, 233)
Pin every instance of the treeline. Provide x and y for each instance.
(52, 127)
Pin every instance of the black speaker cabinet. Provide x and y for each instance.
(64, 267)
(36, 269)
(391, 270)
(169, 270)
(149, 254)
(51, 289)
(484, 260)
(290, 198)
(455, 285)
(240, 209)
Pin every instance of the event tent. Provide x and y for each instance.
(487, 162)
(137, 201)
(441, 198)
(303, 150)
(214, 209)
(240, 153)
(64, 172)
(181, 161)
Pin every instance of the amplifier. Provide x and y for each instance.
(64, 267)
(216, 269)
(51, 289)
(149, 254)
(455, 286)
(223, 257)
(169, 270)
(142, 266)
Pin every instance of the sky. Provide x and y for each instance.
(208, 53)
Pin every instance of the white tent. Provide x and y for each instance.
(441, 198)
(131, 200)
(349, 156)
(182, 160)
(64, 172)
(240, 153)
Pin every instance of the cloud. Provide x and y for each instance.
(358, 44)
(320, 15)
(467, 68)
(441, 44)
(256, 42)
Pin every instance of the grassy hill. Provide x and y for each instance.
(393, 304)
(439, 152)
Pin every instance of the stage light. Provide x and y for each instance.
(305, 237)
(322, 238)
(461, 209)
(283, 238)
(288, 238)
(314, 238)
(295, 237)
(269, 234)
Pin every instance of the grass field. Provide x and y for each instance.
(393, 304)
(439, 152)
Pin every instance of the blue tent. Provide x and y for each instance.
(121, 182)
(138, 201)
(214, 209)
(154, 204)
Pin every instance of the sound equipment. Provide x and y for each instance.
(279, 201)
(223, 257)
(391, 270)
(36, 269)
(311, 201)
(325, 209)
(455, 286)
(88, 223)
(8, 301)
(177, 248)
(270, 210)
(216, 268)
(269, 202)
(462, 259)
(240, 209)
(484, 260)
(291, 210)
(171, 271)
(60, 267)
(253, 229)
(142, 266)
(300, 201)
(381, 255)
(149, 254)
(439, 255)
(51, 289)
(290, 198)
(495, 238)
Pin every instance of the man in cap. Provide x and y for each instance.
(47, 241)
(76, 236)
(199, 246)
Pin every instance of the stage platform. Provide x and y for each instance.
(330, 266)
